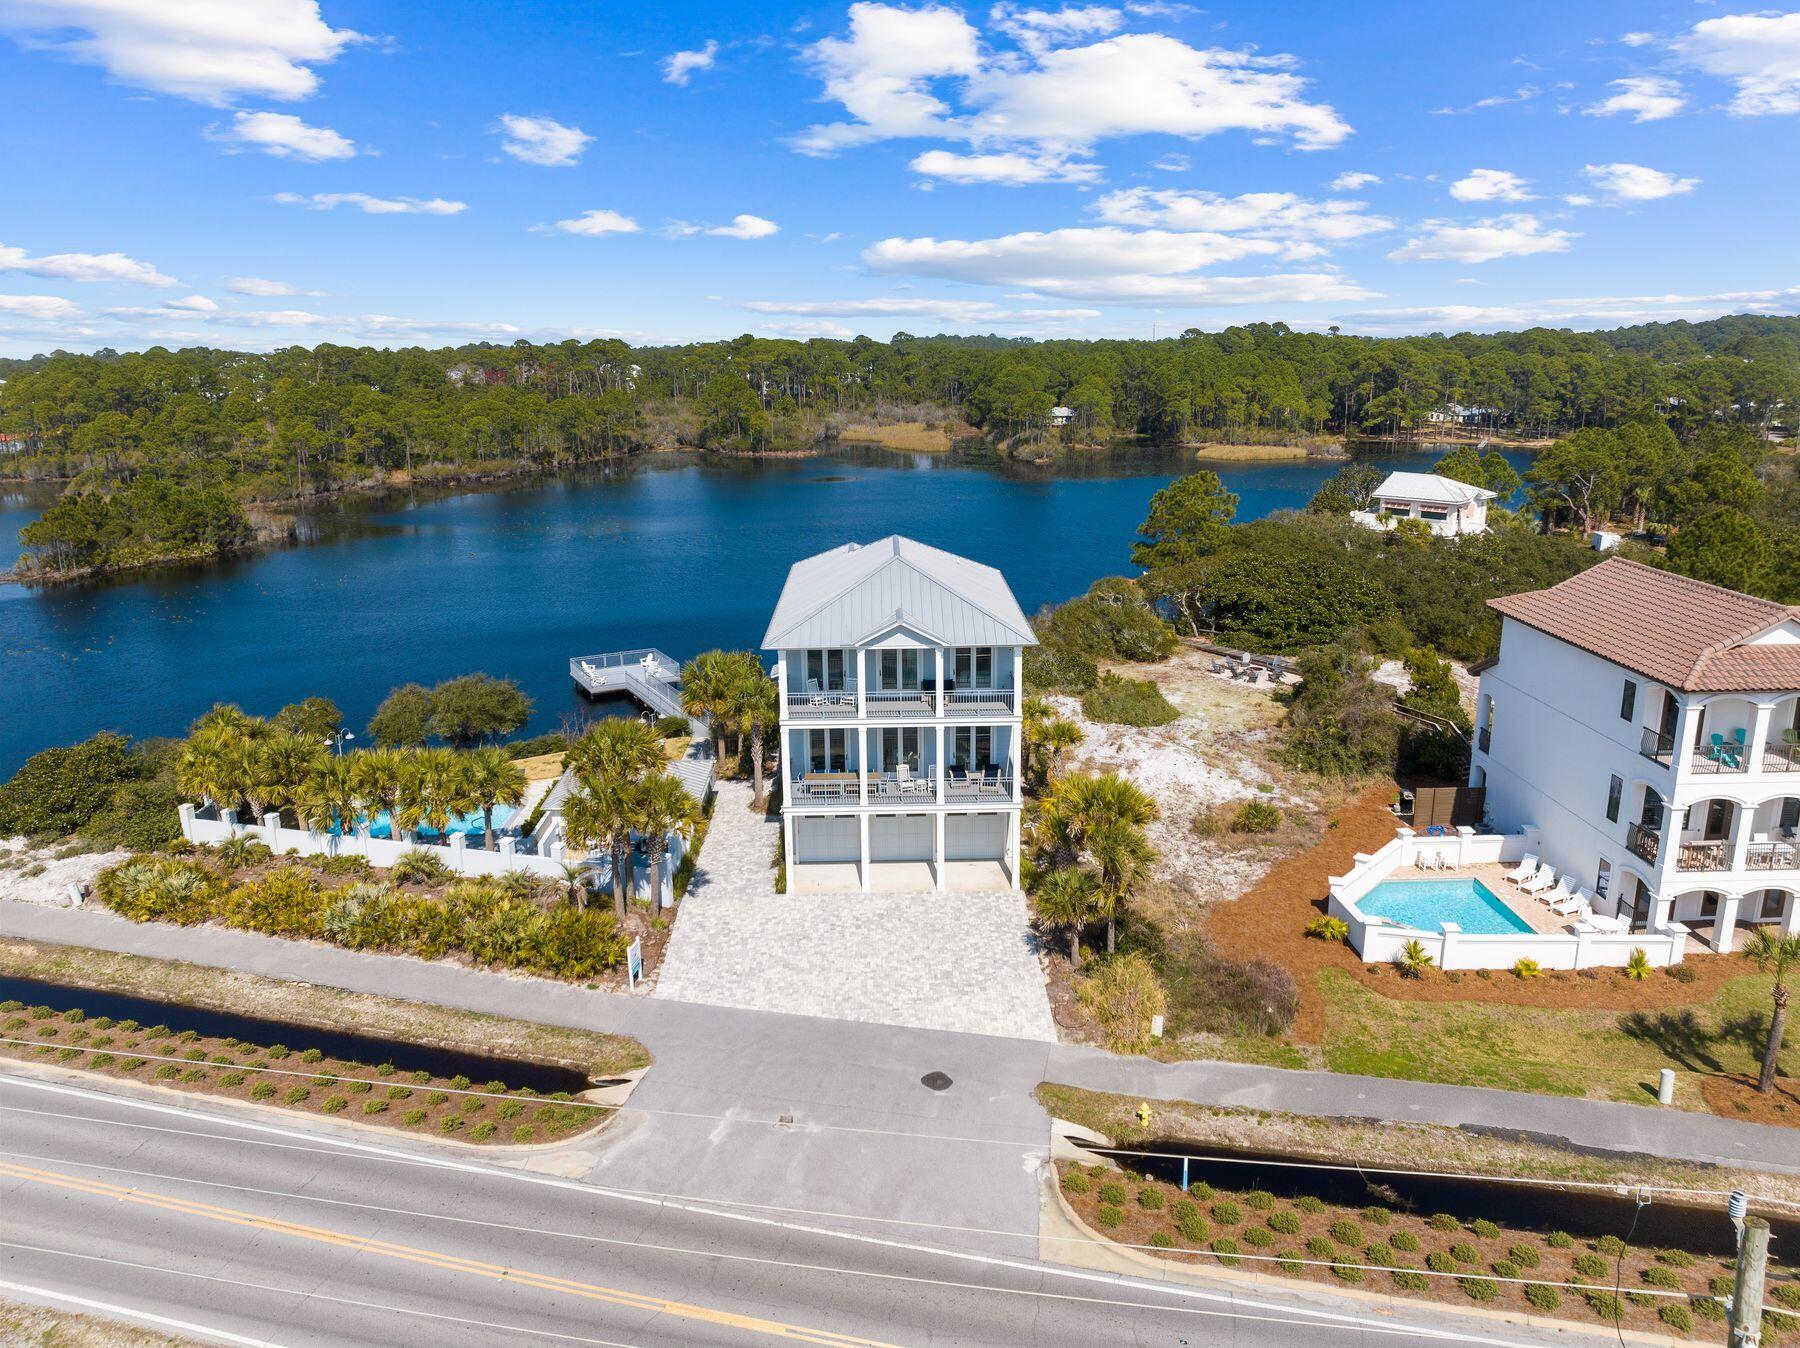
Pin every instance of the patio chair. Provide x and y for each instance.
(1221, 667)
(1557, 893)
(814, 696)
(1545, 877)
(1577, 903)
(1526, 868)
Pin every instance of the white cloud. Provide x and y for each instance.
(264, 288)
(194, 304)
(1639, 39)
(1482, 240)
(33, 312)
(741, 227)
(1586, 312)
(369, 205)
(210, 51)
(1106, 264)
(1485, 184)
(1274, 215)
(680, 67)
(1577, 199)
(1645, 98)
(542, 140)
(1634, 182)
(1759, 53)
(891, 75)
(1354, 181)
(84, 267)
(1172, 163)
(1037, 30)
(283, 135)
(597, 222)
(954, 311)
(1009, 169)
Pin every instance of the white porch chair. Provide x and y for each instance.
(1524, 870)
(1545, 877)
(1557, 893)
(815, 696)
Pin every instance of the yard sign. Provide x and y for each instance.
(634, 961)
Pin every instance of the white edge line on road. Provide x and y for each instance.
(130, 1313)
(1033, 1267)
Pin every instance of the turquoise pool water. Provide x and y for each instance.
(469, 824)
(1427, 904)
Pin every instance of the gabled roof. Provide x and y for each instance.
(1432, 489)
(1681, 632)
(848, 595)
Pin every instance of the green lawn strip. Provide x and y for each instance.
(1259, 1050)
(1552, 1051)
(325, 1008)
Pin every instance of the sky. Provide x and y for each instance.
(258, 173)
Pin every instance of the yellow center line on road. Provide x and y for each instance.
(434, 1258)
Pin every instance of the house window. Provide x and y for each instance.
(1428, 514)
(1615, 792)
(900, 745)
(825, 671)
(974, 667)
(1603, 880)
(1772, 904)
(1790, 816)
(1628, 702)
(973, 746)
(828, 750)
(1652, 817)
(899, 670)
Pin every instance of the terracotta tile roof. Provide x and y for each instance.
(1679, 631)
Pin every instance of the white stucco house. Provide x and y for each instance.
(901, 683)
(1642, 727)
(1451, 508)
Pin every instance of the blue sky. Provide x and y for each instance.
(259, 172)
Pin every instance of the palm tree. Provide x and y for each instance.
(662, 806)
(574, 876)
(600, 814)
(618, 748)
(1056, 737)
(330, 794)
(1101, 816)
(1065, 899)
(244, 769)
(380, 775)
(440, 791)
(1778, 956)
(284, 763)
(204, 767)
(708, 688)
(494, 779)
(756, 711)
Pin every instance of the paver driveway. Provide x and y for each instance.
(934, 961)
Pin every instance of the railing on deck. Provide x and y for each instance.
(1703, 856)
(979, 702)
(1644, 842)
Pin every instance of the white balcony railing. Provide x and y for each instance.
(979, 702)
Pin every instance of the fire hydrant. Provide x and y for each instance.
(1144, 1115)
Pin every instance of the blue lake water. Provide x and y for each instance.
(1425, 905)
(674, 551)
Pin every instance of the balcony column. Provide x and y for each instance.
(1018, 680)
(943, 677)
(1742, 816)
(937, 771)
(862, 770)
(1681, 754)
(1725, 933)
(862, 682)
(1012, 846)
(781, 680)
(937, 851)
(1015, 736)
(1790, 924)
(1758, 743)
(862, 828)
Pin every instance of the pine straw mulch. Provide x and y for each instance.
(1269, 922)
(1731, 1095)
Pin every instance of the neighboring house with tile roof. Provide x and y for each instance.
(900, 670)
(1647, 726)
(1449, 507)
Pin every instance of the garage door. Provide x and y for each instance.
(900, 837)
(827, 838)
(975, 837)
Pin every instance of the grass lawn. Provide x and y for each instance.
(1556, 1051)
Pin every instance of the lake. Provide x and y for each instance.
(672, 550)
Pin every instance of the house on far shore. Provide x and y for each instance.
(1449, 507)
(1061, 416)
(1455, 414)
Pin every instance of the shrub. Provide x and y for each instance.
(1150, 1198)
(1182, 1207)
(374, 1106)
(1479, 1289)
(1542, 1296)
(1505, 1268)
(1404, 1240)
(1682, 1259)
(1209, 993)
(1610, 1246)
(1162, 1240)
(104, 1060)
(229, 1079)
(1307, 1203)
(1256, 816)
(1439, 1262)
(1707, 1308)
(1722, 1286)
(1590, 1266)
(412, 1118)
(160, 889)
(511, 1109)
(1133, 702)
(1227, 1214)
(1376, 1216)
(1482, 1227)
(1112, 1192)
(1559, 1240)
(1200, 1191)
(1285, 1222)
(1260, 1199)
(524, 1133)
(1258, 1237)
(1605, 1305)
(262, 1090)
(1409, 1281)
(1124, 996)
(1072, 1183)
(1638, 966)
(1677, 1317)
(1226, 1248)
(1288, 1261)
(1380, 1253)
(1327, 928)
(435, 1097)
(1318, 1247)
(359, 1087)
(296, 1095)
(1443, 1221)
(57, 791)
(1109, 1216)
(1193, 1228)
(1346, 1232)
(1661, 1277)
(399, 1093)
(1681, 973)
(450, 1123)
(1524, 1254)
(1527, 968)
(1346, 1272)
(166, 1071)
(312, 1055)
(335, 1104)
(416, 865)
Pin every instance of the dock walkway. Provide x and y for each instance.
(647, 674)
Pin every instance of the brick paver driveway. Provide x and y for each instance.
(934, 961)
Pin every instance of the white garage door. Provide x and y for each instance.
(900, 837)
(974, 837)
(827, 838)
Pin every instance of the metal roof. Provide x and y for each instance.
(1432, 489)
(850, 595)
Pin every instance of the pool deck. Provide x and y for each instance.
(1527, 909)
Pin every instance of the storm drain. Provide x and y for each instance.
(936, 1081)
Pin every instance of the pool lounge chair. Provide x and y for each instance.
(1557, 893)
(1545, 877)
(1524, 870)
(1577, 903)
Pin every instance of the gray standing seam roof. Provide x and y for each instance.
(849, 594)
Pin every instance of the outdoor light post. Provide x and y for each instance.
(336, 742)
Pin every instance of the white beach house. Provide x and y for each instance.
(1642, 728)
(1449, 507)
(901, 682)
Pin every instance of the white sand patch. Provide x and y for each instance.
(38, 875)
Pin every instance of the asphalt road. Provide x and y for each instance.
(247, 1229)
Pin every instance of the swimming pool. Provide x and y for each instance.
(471, 825)
(1427, 904)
